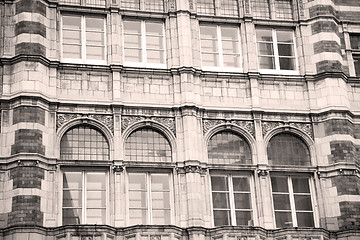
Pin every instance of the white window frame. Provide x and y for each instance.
(231, 197)
(220, 50)
(144, 62)
(148, 194)
(354, 52)
(83, 193)
(277, 69)
(292, 199)
(83, 59)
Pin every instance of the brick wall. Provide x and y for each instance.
(338, 126)
(27, 177)
(32, 6)
(28, 141)
(350, 215)
(25, 210)
(29, 114)
(342, 151)
(346, 185)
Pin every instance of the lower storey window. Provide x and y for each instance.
(231, 197)
(84, 197)
(149, 198)
(292, 201)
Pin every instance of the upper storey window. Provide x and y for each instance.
(355, 48)
(146, 5)
(83, 39)
(274, 9)
(276, 50)
(225, 7)
(144, 43)
(88, 3)
(220, 47)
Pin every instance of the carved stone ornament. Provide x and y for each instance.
(118, 168)
(301, 8)
(304, 127)
(191, 169)
(168, 122)
(263, 172)
(246, 125)
(247, 6)
(62, 118)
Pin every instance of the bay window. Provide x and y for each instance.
(220, 47)
(83, 39)
(355, 50)
(231, 200)
(276, 50)
(292, 201)
(144, 43)
(84, 197)
(149, 198)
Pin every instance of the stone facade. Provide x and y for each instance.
(43, 96)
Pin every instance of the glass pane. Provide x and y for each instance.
(72, 180)
(71, 36)
(243, 218)
(261, 8)
(155, 57)
(241, 184)
(208, 32)
(286, 50)
(95, 216)
(219, 183)
(73, 22)
(72, 198)
(71, 51)
(303, 202)
(137, 199)
(160, 200)
(355, 41)
(133, 27)
(283, 219)
(279, 184)
(96, 199)
(94, 38)
(137, 181)
(229, 33)
(154, 28)
(281, 202)
(231, 60)
(94, 24)
(209, 45)
(300, 185)
(284, 36)
(242, 201)
(137, 216)
(305, 219)
(133, 55)
(95, 53)
(267, 62)
(221, 218)
(161, 217)
(95, 180)
(264, 35)
(210, 59)
(287, 63)
(71, 216)
(159, 182)
(230, 47)
(265, 49)
(154, 42)
(221, 200)
(132, 41)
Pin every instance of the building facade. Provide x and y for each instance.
(180, 119)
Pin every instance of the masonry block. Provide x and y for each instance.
(25, 210)
(346, 185)
(30, 27)
(29, 114)
(28, 141)
(27, 177)
(29, 48)
(342, 151)
(350, 215)
(32, 6)
(338, 126)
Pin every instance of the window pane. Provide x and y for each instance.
(71, 36)
(287, 63)
(283, 219)
(286, 50)
(260, 8)
(133, 27)
(267, 62)
(94, 24)
(159, 182)
(266, 49)
(357, 64)
(355, 41)
(243, 218)
(305, 219)
(72, 198)
(132, 41)
(133, 55)
(206, 7)
(221, 217)
(71, 51)
(71, 216)
(264, 35)
(137, 199)
(160, 200)
(72, 180)
(229, 8)
(94, 38)
(219, 183)
(161, 217)
(153, 28)
(208, 32)
(303, 202)
(154, 42)
(154, 5)
(284, 36)
(231, 60)
(137, 181)
(155, 57)
(283, 9)
(279, 184)
(230, 47)
(137, 216)
(281, 202)
(95, 53)
(221, 200)
(229, 33)
(300, 185)
(96, 180)
(96, 199)
(241, 184)
(95, 216)
(73, 22)
(242, 200)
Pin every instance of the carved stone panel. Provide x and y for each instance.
(107, 120)
(304, 127)
(244, 124)
(168, 122)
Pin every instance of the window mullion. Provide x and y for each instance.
(83, 39)
(292, 202)
(220, 50)
(232, 201)
(276, 50)
(143, 41)
(83, 197)
(149, 208)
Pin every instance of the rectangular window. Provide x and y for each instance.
(283, 9)
(206, 7)
(229, 8)
(261, 8)
(83, 39)
(276, 50)
(220, 47)
(355, 48)
(292, 201)
(231, 200)
(149, 198)
(84, 198)
(144, 43)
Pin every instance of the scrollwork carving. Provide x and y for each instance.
(304, 127)
(168, 122)
(246, 125)
(210, 123)
(268, 126)
(191, 169)
(107, 120)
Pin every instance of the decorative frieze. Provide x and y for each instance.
(244, 124)
(304, 127)
(62, 118)
(168, 122)
(191, 169)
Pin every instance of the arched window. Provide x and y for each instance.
(148, 145)
(227, 147)
(288, 149)
(84, 143)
